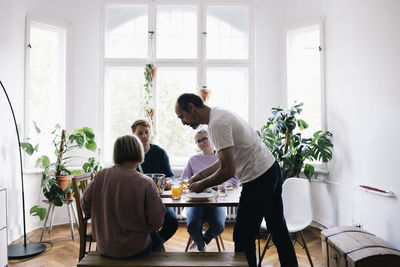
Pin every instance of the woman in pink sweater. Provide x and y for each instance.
(124, 205)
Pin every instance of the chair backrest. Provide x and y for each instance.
(79, 184)
(296, 196)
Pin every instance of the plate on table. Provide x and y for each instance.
(200, 196)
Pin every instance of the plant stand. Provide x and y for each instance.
(51, 210)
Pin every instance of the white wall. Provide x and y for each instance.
(362, 87)
(267, 59)
(83, 97)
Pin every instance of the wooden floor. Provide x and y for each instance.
(62, 251)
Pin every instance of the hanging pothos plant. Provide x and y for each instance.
(149, 74)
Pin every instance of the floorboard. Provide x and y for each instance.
(63, 251)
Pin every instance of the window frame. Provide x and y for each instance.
(320, 22)
(320, 167)
(51, 23)
(201, 63)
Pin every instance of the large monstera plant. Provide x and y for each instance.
(283, 135)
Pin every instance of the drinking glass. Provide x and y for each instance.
(222, 190)
(176, 191)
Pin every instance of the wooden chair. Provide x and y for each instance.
(79, 184)
(218, 239)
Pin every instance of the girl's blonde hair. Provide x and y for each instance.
(128, 148)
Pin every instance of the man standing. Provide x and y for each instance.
(241, 153)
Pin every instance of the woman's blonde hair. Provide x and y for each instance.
(128, 148)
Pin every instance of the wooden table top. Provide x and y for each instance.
(231, 200)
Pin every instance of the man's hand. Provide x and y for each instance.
(197, 187)
(195, 178)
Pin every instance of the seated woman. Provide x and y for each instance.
(124, 205)
(196, 216)
(156, 161)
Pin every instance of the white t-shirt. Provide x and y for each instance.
(252, 157)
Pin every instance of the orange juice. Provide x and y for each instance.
(176, 192)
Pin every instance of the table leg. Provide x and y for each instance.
(70, 220)
(52, 218)
(45, 221)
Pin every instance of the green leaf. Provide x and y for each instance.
(91, 146)
(78, 138)
(309, 170)
(38, 211)
(302, 124)
(28, 148)
(88, 132)
(43, 162)
(36, 127)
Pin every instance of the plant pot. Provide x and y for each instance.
(150, 113)
(63, 181)
(205, 94)
(153, 72)
(68, 195)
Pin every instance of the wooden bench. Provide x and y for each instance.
(169, 259)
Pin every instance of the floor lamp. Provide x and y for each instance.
(22, 250)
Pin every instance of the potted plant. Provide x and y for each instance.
(149, 74)
(282, 135)
(204, 93)
(56, 176)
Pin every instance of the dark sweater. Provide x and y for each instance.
(156, 161)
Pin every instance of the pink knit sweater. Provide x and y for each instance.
(125, 208)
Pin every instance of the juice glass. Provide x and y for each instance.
(176, 191)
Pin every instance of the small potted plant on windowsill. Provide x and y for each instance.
(290, 149)
(56, 176)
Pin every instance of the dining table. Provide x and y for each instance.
(230, 200)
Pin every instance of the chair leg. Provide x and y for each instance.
(188, 244)
(218, 246)
(305, 247)
(265, 249)
(221, 241)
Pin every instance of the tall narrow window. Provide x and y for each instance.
(304, 73)
(46, 79)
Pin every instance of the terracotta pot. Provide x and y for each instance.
(150, 113)
(68, 195)
(153, 72)
(64, 181)
(205, 94)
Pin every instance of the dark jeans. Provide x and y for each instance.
(170, 224)
(261, 198)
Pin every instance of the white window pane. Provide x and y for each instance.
(229, 89)
(227, 32)
(47, 66)
(172, 135)
(304, 74)
(126, 31)
(176, 31)
(123, 96)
